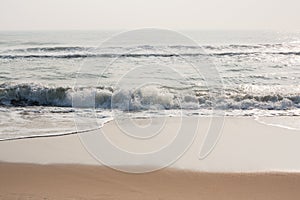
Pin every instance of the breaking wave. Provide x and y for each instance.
(149, 98)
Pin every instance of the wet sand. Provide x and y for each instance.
(251, 161)
(31, 181)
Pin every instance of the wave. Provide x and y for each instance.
(67, 52)
(93, 56)
(89, 55)
(149, 98)
(53, 49)
(34, 95)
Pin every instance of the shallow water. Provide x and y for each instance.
(41, 73)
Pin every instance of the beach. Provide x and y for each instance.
(244, 145)
(247, 163)
(149, 114)
(154, 100)
(29, 181)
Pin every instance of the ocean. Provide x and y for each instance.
(49, 78)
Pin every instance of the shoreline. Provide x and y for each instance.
(258, 119)
(244, 146)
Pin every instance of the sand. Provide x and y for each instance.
(29, 181)
(244, 146)
(251, 161)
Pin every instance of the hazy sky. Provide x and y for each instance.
(128, 14)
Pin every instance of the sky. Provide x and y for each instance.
(132, 14)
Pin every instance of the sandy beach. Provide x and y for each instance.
(29, 181)
(61, 168)
(245, 145)
(149, 100)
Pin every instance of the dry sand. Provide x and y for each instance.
(29, 181)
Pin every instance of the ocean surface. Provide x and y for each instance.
(41, 73)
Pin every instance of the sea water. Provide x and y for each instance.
(42, 72)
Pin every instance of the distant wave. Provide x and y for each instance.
(116, 55)
(93, 55)
(144, 99)
(67, 52)
(53, 49)
(37, 48)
